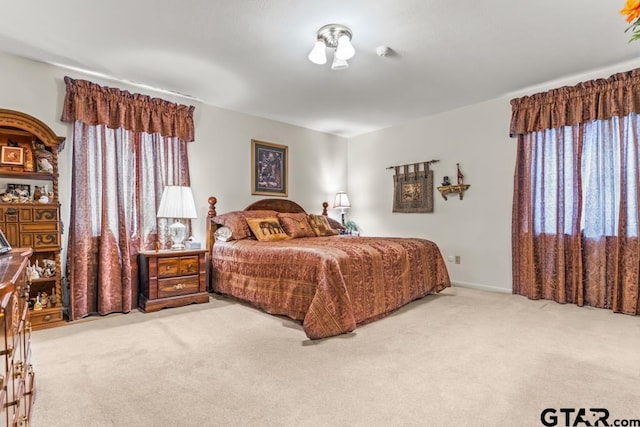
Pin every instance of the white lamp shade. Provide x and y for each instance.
(318, 55)
(345, 49)
(177, 202)
(341, 200)
(339, 64)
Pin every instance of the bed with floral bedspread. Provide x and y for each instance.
(330, 283)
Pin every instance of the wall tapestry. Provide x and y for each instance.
(268, 169)
(413, 188)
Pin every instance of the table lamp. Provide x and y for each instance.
(177, 202)
(341, 201)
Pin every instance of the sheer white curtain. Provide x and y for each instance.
(118, 178)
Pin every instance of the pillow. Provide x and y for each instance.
(321, 226)
(223, 234)
(336, 225)
(267, 229)
(296, 225)
(237, 223)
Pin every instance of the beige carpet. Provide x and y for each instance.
(462, 358)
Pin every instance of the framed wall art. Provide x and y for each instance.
(12, 155)
(269, 164)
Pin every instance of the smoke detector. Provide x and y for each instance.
(383, 50)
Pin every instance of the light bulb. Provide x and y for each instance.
(318, 55)
(345, 49)
(339, 64)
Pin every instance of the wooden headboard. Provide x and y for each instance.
(278, 205)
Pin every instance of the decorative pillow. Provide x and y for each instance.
(267, 229)
(336, 225)
(296, 225)
(223, 234)
(321, 226)
(237, 221)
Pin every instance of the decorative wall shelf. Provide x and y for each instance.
(453, 189)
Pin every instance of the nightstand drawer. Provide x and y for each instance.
(188, 265)
(178, 286)
(168, 267)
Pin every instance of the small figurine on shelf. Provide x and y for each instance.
(460, 176)
(38, 305)
(44, 300)
(39, 269)
(44, 158)
(52, 298)
(49, 268)
(32, 272)
(445, 181)
(37, 193)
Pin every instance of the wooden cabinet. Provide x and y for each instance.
(17, 377)
(25, 219)
(171, 278)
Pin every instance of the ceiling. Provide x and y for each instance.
(250, 56)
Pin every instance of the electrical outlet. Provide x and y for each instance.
(450, 258)
(457, 259)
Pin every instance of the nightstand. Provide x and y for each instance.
(171, 278)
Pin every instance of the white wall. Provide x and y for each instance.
(219, 158)
(476, 228)
(220, 161)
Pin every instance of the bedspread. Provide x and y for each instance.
(332, 284)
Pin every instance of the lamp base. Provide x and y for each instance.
(178, 232)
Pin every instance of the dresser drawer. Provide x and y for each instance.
(46, 315)
(178, 286)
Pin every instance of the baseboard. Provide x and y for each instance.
(481, 287)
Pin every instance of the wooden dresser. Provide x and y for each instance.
(17, 378)
(171, 278)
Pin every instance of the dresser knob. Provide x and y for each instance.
(178, 286)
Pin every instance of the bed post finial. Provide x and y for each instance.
(212, 206)
(325, 205)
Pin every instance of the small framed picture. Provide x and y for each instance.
(19, 190)
(12, 155)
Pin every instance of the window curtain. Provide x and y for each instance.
(126, 149)
(575, 211)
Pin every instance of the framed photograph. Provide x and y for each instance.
(269, 172)
(12, 155)
(4, 244)
(19, 190)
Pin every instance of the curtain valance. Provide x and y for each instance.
(600, 99)
(94, 105)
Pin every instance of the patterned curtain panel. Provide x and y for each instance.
(118, 178)
(576, 194)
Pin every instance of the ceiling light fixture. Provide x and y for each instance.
(334, 36)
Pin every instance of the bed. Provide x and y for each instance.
(330, 282)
